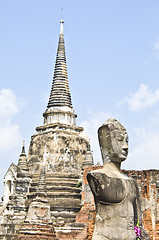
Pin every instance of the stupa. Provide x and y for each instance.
(44, 187)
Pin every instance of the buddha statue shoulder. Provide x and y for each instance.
(116, 195)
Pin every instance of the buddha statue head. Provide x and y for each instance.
(113, 141)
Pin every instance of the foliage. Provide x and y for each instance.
(137, 231)
(79, 185)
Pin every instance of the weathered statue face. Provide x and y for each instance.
(113, 140)
(119, 142)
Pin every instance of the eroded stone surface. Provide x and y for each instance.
(116, 195)
(43, 192)
(61, 151)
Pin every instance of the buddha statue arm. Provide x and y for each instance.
(106, 190)
(93, 185)
(137, 206)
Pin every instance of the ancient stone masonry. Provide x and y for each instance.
(42, 192)
(149, 196)
(46, 195)
(116, 195)
(149, 191)
(60, 94)
(59, 107)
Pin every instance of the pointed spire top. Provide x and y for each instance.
(59, 109)
(22, 163)
(23, 149)
(61, 28)
(60, 94)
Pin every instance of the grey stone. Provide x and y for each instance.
(116, 195)
(44, 185)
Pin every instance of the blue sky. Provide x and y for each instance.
(112, 50)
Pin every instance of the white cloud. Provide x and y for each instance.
(10, 105)
(144, 153)
(2, 173)
(9, 137)
(95, 120)
(143, 141)
(144, 97)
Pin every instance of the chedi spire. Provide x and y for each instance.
(23, 149)
(59, 108)
(60, 94)
(22, 163)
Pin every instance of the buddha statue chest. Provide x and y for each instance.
(110, 190)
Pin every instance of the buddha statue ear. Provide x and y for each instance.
(105, 142)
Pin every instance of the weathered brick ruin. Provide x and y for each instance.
(149, 195)
(43, 188)
(46, 195)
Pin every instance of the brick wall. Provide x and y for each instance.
(35, 231)
(148, 182)
(82, 229)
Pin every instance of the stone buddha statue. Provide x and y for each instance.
(116, 195)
